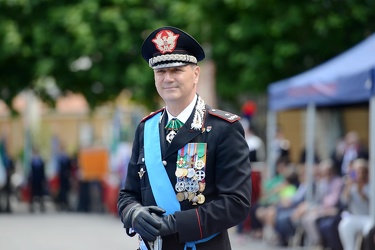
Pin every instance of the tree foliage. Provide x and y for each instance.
(93, 46)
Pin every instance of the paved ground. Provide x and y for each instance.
(78, 231)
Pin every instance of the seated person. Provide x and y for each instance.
(327, 195)
(269, 195)
(287, 196)
(281, 214)
(356, 198)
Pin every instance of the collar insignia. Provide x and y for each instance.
(198, 115)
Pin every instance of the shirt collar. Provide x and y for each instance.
(185, 114)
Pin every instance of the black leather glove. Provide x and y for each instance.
(168, 224)
(140, 219)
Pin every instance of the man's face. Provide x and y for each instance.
(177, 84)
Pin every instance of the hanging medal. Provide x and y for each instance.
(190, 173)
(180, 167)
(200, 164)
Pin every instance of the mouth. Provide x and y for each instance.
(170, 87)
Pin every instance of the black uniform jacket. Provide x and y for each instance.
(228, 183)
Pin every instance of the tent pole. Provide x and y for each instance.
(310, 135)
(271, 132)
(372, 149)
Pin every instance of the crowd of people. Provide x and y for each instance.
(7, 168)
(337, 215)
(60, 184)
(336, 218)
(38, 186)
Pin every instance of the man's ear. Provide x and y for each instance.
(197, 71)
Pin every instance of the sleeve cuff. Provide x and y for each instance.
(186, 228)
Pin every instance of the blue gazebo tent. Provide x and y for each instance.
(346, 79)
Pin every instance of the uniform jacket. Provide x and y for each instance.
(228, 183)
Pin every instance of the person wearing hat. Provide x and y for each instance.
(188, 178)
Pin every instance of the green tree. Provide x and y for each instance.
(93, 46)
(258, 42)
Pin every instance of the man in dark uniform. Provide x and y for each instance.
(188, 178)
(37, 180)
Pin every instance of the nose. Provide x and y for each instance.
(168, 77)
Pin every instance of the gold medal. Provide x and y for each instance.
(185, 172)
(191, 196)
(201, 198)
(179, 172)
(180, 196)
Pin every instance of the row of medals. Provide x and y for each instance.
(190, 181)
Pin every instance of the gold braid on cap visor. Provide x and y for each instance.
(181, 60)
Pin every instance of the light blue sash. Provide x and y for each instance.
(161, 186)
(191, 244)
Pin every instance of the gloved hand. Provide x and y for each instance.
(168, 224)
(140, 219)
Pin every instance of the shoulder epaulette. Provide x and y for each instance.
(152, 114)
(229, 117)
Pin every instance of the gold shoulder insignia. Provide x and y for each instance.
(152, 114)
(229, 117)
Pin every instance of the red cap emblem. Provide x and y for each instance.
(165, 41)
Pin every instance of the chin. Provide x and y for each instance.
(171, 97)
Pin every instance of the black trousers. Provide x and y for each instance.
(328, 228)
(369, 241)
